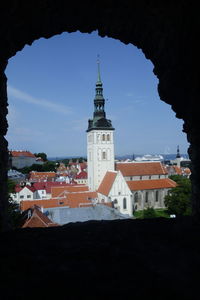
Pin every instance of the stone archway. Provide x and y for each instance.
(166, 33)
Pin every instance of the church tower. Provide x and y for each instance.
(100, 140)
(178, 157)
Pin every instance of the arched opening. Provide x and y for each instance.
(169, 70)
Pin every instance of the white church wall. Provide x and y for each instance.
(149, 198)
(121, 193)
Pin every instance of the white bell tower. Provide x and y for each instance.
(100, 141)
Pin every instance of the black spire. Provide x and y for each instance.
(99, 120)
(178, 153)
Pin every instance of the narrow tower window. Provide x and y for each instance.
(104, 155)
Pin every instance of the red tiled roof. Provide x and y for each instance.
(61, 190)
(81, 175)
(22, 153)
(18, 188)
(72, 200)
(38, 219)
(41, 175)
(107, 183)
(187, 171)
(49, 185)
(151, 184)
(139, 169)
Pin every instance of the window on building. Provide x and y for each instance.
(104, 155)
(131, 178)
(124, 203)
(28, 196)
(136, 196)
(150, 177)
(146, 197)
(157, 196)
(108, 137)
(21, 197)
(140, 177)
(103, 137)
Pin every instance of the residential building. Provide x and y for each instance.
(20, 159)
(35, 176)
(36, 218)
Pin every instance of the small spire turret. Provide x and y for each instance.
(178, 152)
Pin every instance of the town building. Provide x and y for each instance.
(35, 176)
(34, 217)
(20, 159)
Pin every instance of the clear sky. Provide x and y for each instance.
(51, 88)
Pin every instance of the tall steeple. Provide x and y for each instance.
(99, 120)
(100, 139)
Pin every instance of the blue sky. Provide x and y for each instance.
(51, 87)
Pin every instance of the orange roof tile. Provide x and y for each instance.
(107, 183)
(151, 184)
(71, 200)
(143, 168)
(39, 175)
(187, 171)
(62, 190)
(22, 153)
(38, 219)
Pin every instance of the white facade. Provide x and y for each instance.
(100, 155)
(120, 195)
(149, 198)
(24, 194)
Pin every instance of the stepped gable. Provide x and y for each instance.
(143, 168)
(151, 184)
(107, 183)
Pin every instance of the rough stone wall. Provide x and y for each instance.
(166, 32)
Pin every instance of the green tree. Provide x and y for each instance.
(14, 213)
(149, 213)
(49, 166)
(42, 155)
(178, 200)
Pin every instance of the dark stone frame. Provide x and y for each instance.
(167, 33)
